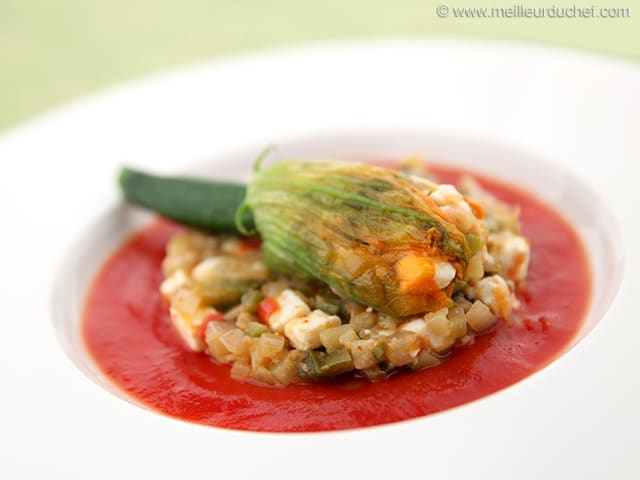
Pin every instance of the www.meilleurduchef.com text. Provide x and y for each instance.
(527, 11)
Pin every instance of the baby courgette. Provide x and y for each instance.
(207, 205)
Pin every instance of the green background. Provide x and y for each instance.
(51, 51)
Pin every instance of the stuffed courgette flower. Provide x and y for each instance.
(372, 234)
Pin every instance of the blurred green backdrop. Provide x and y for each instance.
(53, 50)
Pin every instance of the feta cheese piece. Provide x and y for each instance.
(513, 252)
(304, 332)
(173, 283)
(445, 194)
(455, 205)
(291, 307)
(461, 214)
(417, 326)
(494, 292)
(444, 273)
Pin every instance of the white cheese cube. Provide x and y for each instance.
(454, 204)
(494, 292)
(445, 195)
(461, 214)
(291, 307)
(417, 326)
(513, 253)
(304, 332)
(444, 273)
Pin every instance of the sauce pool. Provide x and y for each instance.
(128, 332)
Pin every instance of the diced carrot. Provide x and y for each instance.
(202, 329)
(266, 308)
(415, 272)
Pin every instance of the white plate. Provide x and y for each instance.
(578, 417)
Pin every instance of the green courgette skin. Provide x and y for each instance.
(206, 205)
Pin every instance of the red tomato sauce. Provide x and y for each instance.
(128, 332)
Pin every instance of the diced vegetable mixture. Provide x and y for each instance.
(336, 287)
